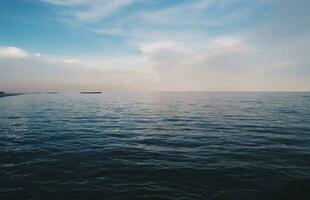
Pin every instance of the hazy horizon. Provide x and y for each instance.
(143, 45)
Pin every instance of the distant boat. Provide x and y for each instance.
(91, 92)
(52, 93)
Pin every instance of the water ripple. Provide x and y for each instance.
(155, 146)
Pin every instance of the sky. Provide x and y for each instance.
(154, 45)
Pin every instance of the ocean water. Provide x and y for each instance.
(239, 146)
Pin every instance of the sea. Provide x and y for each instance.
(155, 145)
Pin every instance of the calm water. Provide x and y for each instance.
(155, 146)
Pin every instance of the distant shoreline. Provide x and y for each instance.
(9, 94)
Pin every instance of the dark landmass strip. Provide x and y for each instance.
(91, 92)
(2, 94)
(52, 93)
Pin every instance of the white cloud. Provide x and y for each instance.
(12, 52)
(37, 54)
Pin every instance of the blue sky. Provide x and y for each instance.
(182, 45)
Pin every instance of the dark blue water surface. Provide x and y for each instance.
(155, 146)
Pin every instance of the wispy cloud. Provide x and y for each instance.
(68, 2)
(91, 10)
(179, 45)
